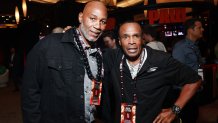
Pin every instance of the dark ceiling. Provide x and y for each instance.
(7, 6)
(65, 12)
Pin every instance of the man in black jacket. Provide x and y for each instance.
(138, 78)
(61, 70)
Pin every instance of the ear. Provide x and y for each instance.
(119, 42)
(80, 17)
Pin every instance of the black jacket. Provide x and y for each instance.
(158, 74)
(52, 90)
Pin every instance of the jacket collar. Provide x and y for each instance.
(145, 67)
(68, 36)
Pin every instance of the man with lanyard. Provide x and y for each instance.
(186, 51)
(138, 78)
(62, 79)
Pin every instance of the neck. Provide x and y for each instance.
(84, 39)
(134, 61)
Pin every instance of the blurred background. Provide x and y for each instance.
(24, 22)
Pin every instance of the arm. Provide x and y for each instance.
(188, 91)
(31, 89)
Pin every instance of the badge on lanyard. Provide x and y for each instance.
(201, 73)
(96, 93)
(128, 113)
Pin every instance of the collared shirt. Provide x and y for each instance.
(89, 109)
(187, 52)
(135, 69)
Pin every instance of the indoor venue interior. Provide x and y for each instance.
(24, 22)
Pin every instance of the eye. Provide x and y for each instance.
(124, 37)
(92, 19)
(136, 36)
(104, 22)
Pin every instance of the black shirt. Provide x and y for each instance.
(159, 72)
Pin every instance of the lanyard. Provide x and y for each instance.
(86, 63)
(135, 79)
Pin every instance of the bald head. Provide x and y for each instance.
(93, 20)
(94, 4)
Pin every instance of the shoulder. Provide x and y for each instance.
(111, 53)
(50, 39)
(151, 43)
(159, 43)
(181, 43)
(180, 46)
(156, 56)
(57, 38)
(112, 56)
(50, 42)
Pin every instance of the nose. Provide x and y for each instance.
(131, 40)
(97, 25)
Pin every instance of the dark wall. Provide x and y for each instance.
(8, 38)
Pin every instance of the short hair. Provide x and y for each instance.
(109, 33)
(150, 30)
(190, 23)
(128, 21)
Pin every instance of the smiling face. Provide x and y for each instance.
(130, 35)
(93, 20)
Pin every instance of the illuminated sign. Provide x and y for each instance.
(166, 15)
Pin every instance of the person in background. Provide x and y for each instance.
(58, 30)
(67, 28)
(187, 52)
(60, 70)
(150, 37)
(109, 39)
(15, 68)
(140, 77)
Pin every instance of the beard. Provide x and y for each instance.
(85, 34)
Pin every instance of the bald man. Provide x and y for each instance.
(63, 75)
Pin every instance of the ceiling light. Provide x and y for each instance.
(82, 1)
(45, 1)
(24, 6)
(17, 16)
(126, 3)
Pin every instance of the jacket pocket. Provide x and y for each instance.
(60, 72)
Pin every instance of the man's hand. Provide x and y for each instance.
(165, 116)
